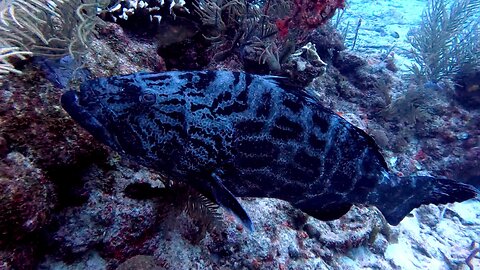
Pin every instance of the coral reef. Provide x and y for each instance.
(308, 14)
(40, 153)
(26, 198)
(240, 35)
(26, 204)
(140, 262)
(114, 224)
(278, 241)
(117, 52)
(467, 86)
(34, 124)
(262, 36)
(7, 52)
(470, 257)
(72, 200)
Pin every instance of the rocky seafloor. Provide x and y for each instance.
(63, 200)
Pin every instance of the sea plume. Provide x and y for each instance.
(52, 28)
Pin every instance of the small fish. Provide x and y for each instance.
(230, 134)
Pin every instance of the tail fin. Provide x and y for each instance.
(401, 195)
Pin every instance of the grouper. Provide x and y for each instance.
(232, 134)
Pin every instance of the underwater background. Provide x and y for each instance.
(405, 72)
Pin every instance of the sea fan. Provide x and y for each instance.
(445, 39)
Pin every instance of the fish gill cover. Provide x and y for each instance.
(109, 209)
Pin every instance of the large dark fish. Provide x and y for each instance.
(233, 134)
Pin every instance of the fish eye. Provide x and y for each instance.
(147, 98)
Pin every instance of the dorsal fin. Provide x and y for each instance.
(288, 85)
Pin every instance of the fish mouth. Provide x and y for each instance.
(71, 104)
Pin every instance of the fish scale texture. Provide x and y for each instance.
(235, 134)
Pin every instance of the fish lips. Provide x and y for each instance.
(72, 104)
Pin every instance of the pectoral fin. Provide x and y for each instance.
(216, 191)
(225, 198)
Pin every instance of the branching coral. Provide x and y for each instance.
(262, 33)
(446, 39)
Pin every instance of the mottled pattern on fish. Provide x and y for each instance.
(228, 131)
